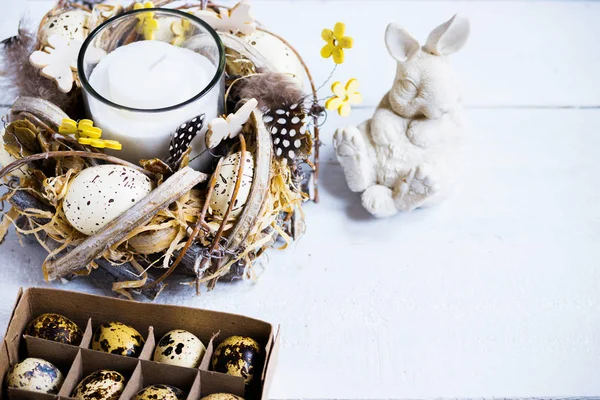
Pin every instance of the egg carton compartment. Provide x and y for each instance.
(152, 321)
(145, 332)
(31, 305)
(150, 373)
(215, 382)
(89, 361)
(62, 356)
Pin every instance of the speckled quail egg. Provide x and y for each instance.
(238, 356)
(280, 56)
(100, 385)
(181, 348)
(118, 338)
(222, 396)
(71, 24)
(225, 184)
(99, 194)
(36, 375)
(7, 158)
(55, 327)
(162, 392)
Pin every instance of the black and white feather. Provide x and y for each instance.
(182, 139)
(287, 124)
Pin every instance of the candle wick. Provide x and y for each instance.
(155, 63)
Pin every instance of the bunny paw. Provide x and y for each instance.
(354, 158)
(378, 201)
(416, 188)
(348, 142)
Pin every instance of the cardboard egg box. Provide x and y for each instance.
(152, 321)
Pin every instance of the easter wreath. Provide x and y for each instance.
(207, 226)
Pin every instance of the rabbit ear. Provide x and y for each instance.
(400, 43)
(449, 37)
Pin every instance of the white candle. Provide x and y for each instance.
(149, 75)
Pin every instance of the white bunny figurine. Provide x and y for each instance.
(407, 155)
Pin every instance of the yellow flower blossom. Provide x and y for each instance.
(336, 43)
(146, 24)
(87, 134)
(180, 29)
(344, 97)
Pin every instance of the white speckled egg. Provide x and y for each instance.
(225, 183)
(36, 375)
(100, 385)
(97, 195)
(71, 24)
(7, 158)
(280, 56)
(181, 348)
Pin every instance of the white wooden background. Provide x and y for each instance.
(494, 293)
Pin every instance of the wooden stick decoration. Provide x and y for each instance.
(195, 232)
(234, 195)
(165, 194)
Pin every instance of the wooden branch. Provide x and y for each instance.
(42, 109)
(172, 189)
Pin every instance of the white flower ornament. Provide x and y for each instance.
(228, 128)
(238, 19)
(58, 60)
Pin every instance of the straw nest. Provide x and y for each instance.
(182, 236)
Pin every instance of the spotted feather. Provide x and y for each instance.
(182, 139)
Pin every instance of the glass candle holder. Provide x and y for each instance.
(160, 68)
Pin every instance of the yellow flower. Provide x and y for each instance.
(146, 24)
(344, 97)
(180, 30)
(336, 43)
(87, 134)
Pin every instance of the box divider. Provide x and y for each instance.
(271, 365)
(134, 384)
(73, 376)
(20, 394)
(148, 349)
(196, 390)
(210, 348)
(88, 333)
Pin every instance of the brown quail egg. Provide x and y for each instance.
(71, 24)
(222, 396)
(55, 327)
(181, 348)
(162, 392)
(238, 356)
(280, 56)
(99, 194)
(118, 338)
(100, 385)
(36, 375)
(225, 184)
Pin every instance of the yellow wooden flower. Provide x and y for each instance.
(87, 134)
(146, 24)
(336, 43)
(344, 97)
(180, 29)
